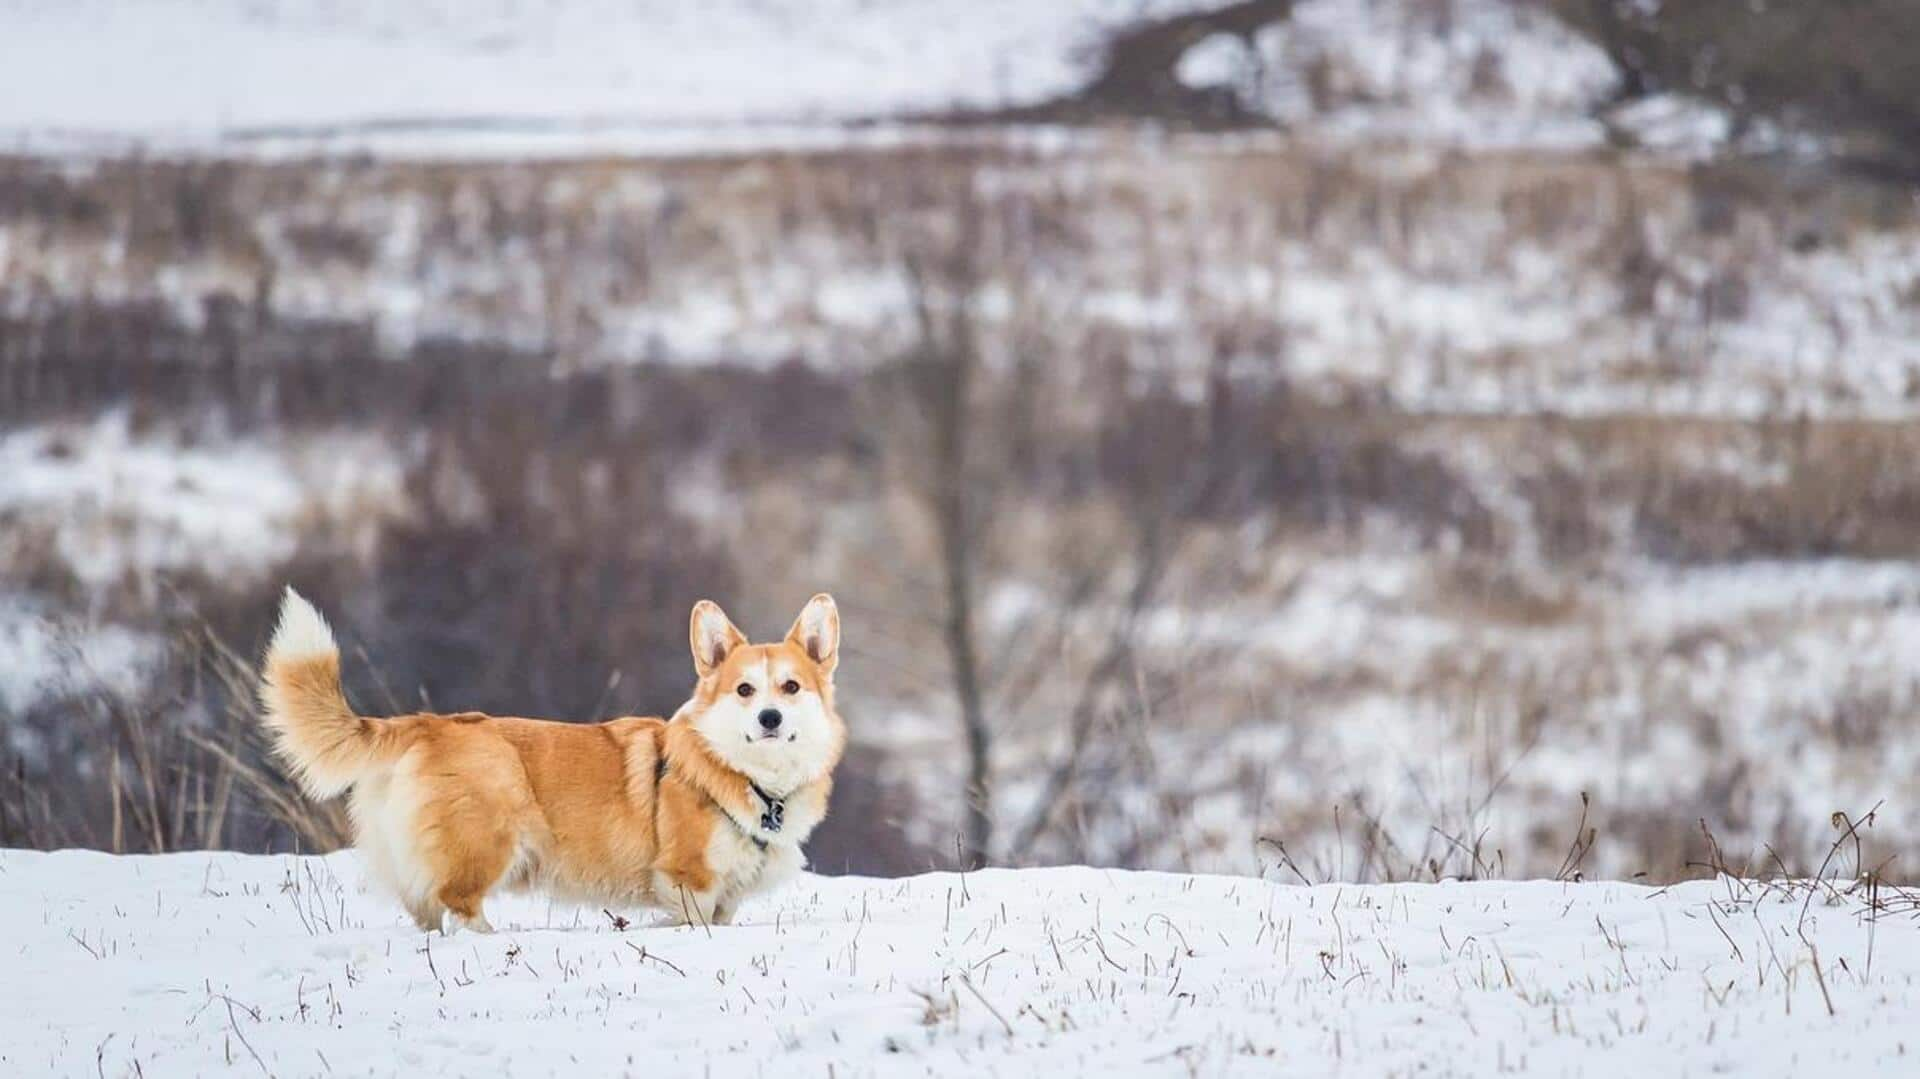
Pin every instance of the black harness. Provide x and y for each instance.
(772, 817)
(775, 813)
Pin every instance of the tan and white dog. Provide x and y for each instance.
(690, 815)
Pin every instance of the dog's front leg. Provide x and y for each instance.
(784, 862)
(687, 905)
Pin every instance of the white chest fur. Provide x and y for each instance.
(742, 867)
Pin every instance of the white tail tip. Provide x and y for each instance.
(301, 632)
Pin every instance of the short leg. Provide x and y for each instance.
(465, 882)
(468, 833)
(477, 922)
(463, 897)
(426, 914)
(784, 862)
(684, 906)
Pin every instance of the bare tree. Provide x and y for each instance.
(975, 443)
(942, 374)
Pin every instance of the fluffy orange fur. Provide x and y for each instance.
(450, 808)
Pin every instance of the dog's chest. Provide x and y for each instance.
(736, 860)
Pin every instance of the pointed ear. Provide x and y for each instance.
(714, 636)
(817, 630)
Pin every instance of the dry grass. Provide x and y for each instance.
(160, 780)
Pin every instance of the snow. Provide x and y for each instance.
(187, 963)
(1676, 124)
(1761, 695)
(118, 503)
(199, 73)
(1469, 73)
(47, 654)
(122, 508)
(505, 79)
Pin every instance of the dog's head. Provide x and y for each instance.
(767, 709)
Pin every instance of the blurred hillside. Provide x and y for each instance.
(1335, 440)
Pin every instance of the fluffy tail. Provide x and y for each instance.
(314, 729)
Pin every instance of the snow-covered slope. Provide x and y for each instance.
(506, 78)
(1472, 73)
(195, 71)
(187, 964)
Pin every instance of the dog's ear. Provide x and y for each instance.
(817, 630)
(714, 636)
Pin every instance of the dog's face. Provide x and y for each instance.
(767, 709)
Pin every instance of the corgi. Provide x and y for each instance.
(690, 815)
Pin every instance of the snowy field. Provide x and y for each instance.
(439, 78)
(190, 964)
(508, 75)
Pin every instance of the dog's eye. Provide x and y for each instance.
(744, 689)
(790, 687)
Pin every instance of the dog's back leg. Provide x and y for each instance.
(473, 816)
(467, 859)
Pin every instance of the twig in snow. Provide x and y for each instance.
(968, 982)
(660, 959)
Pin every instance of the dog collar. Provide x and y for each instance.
(775, 813)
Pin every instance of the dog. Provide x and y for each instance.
(689, 815)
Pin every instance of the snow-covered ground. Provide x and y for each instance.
(116, 505)
(513, 79)
(1783, 687)
(120, 509)
(202, 73)
(1498, 284)
(1479, 73)
(187, 964)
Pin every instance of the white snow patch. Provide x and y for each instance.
(210, 73)
(117, 504)
(1676, 123)
(46, 655)
(1478, 73)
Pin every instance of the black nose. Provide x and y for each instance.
(770, 718)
